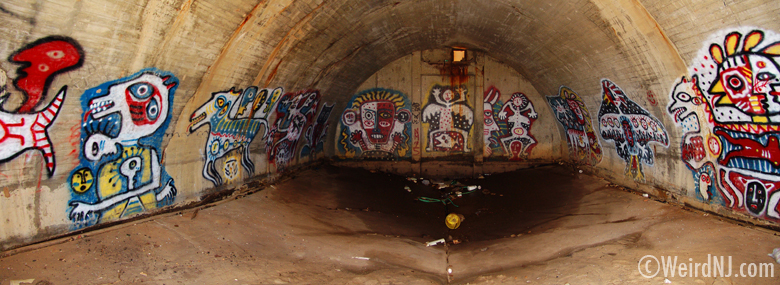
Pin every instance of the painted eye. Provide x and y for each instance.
(141, 90)
(153, 109)
(95, 149)
(682, 96)
(215, 147)
(43, 67)
(55, 54)
(765, 76)
(220, 102)
(735, 82)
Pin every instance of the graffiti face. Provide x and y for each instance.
(632, 129)
(449, 119)
(123, 111)
(122, 127)
(82, 180)
(375, 125)
(729, 114)
(378, 119)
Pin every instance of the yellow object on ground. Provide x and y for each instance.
(452, 221)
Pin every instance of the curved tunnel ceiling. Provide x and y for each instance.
(335, 45)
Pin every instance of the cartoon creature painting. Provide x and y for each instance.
(376, 125)
(489, 100)
(729, 114)
(573, 116)
(28, 129)
(631, 128)
(293, 112)
(518, 112)
(235, 118)
(120, 173)
(450, 119)
(316, 133)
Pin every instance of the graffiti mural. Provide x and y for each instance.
(293, 112)
(316, 133)
(449, 119)
(234, 118)
(122, 127)
(631, 128)
(574, 117)
(518, 113)
(27, 129)
(489, 105)
(729, 114)
(507, 126)
(376, 125)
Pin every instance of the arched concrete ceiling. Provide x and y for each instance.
(335, 45)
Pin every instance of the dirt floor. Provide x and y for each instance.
(334, 225)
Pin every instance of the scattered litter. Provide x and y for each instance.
(413, 179)
(580, 170)
(483, 249)
(435, 242)
(426, 182)
(473, 187)
(17, 282)
(455, 241)
(645, 195)
(481, 177)
(667, 281)
(361, 258)
(776, 254)
(407, 189)
(144, 274)
(453, 220)
(273, 186)
(449, 270)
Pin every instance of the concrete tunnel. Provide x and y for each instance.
(594, 128)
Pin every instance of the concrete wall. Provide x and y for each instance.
(127, 137)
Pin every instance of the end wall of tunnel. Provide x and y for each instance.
(113, 109)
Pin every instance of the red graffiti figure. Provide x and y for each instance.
(41, 61)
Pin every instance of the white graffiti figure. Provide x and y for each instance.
(450, 119)
(120, 134)
(517, 112)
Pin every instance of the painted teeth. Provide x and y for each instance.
(101, 106)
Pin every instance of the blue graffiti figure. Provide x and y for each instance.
(235, 118)
(120, 173)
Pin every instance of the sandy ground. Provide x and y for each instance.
(349, 226)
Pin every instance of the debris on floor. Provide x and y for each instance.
(361, 258)
(776, 254)
(435, 242)
(450, 190)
